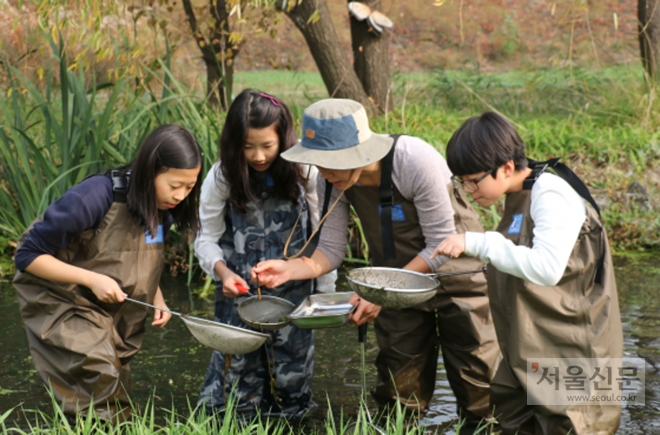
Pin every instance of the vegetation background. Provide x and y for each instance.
(83, 82)
(478, 35)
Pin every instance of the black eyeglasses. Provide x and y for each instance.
(470, 185)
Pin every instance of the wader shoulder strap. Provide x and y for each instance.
(386, 198)
(537, 169)
(119, 185)
(567, 174)
(324, 211)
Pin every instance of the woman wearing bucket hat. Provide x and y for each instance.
(406, 175)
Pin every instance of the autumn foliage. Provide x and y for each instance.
(114, 39)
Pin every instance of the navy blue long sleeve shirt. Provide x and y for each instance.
(81, 208)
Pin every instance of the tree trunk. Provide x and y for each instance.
(648, 13)
(218, 56)
(371, 59)
(340, 79)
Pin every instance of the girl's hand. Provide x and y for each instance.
(365, 311)
(272, 273)
(106, 289)
(234, 286)
(160, 317)
(452, 247)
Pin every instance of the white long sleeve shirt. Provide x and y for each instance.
(214, 203)
(558, 212)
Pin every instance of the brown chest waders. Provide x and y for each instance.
(457, 320)
(577, 318)
(80, 346)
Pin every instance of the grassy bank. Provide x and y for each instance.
(603, 123)
(148, 419)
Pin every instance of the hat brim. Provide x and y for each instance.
(363, 154)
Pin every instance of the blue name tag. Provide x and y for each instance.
(157, 239)
(397, 213)
(516, 224)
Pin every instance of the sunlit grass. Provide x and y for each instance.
(152, 420)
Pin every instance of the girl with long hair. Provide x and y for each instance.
(253, 204)
(100, 242)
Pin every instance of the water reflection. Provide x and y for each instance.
(172, 364)
(639, 291)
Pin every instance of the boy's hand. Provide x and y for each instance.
(452, 247)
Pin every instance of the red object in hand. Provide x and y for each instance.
(241, 288)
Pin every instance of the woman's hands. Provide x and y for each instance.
(365, 311)
(272, 273)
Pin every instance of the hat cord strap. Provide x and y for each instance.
(318, 226)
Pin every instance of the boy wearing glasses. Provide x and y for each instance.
(550, 278)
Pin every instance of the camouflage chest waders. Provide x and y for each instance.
(577, 318)
(457, 319)
(259, 235)
(79, 345)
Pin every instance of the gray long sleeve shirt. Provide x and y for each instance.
(421, 175)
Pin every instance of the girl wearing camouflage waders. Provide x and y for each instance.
(97, 244)
(550, 278)
(406, 180)
(252, 202)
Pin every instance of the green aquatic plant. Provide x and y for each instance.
(150, 419)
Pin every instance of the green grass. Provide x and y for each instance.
(288, 85)
(600, 115)
(146, 419)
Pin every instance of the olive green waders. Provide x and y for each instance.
(81, 346)
(457, 319)
(577, 318)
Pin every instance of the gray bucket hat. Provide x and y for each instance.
(336, 135)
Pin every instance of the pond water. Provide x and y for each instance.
(172, 365)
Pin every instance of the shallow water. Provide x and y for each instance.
(172, 365)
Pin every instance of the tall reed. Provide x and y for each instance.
(52, 138)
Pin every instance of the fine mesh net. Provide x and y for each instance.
(224, 338)
(269, 313)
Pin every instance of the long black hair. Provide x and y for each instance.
(168, 146)
(254, 109)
